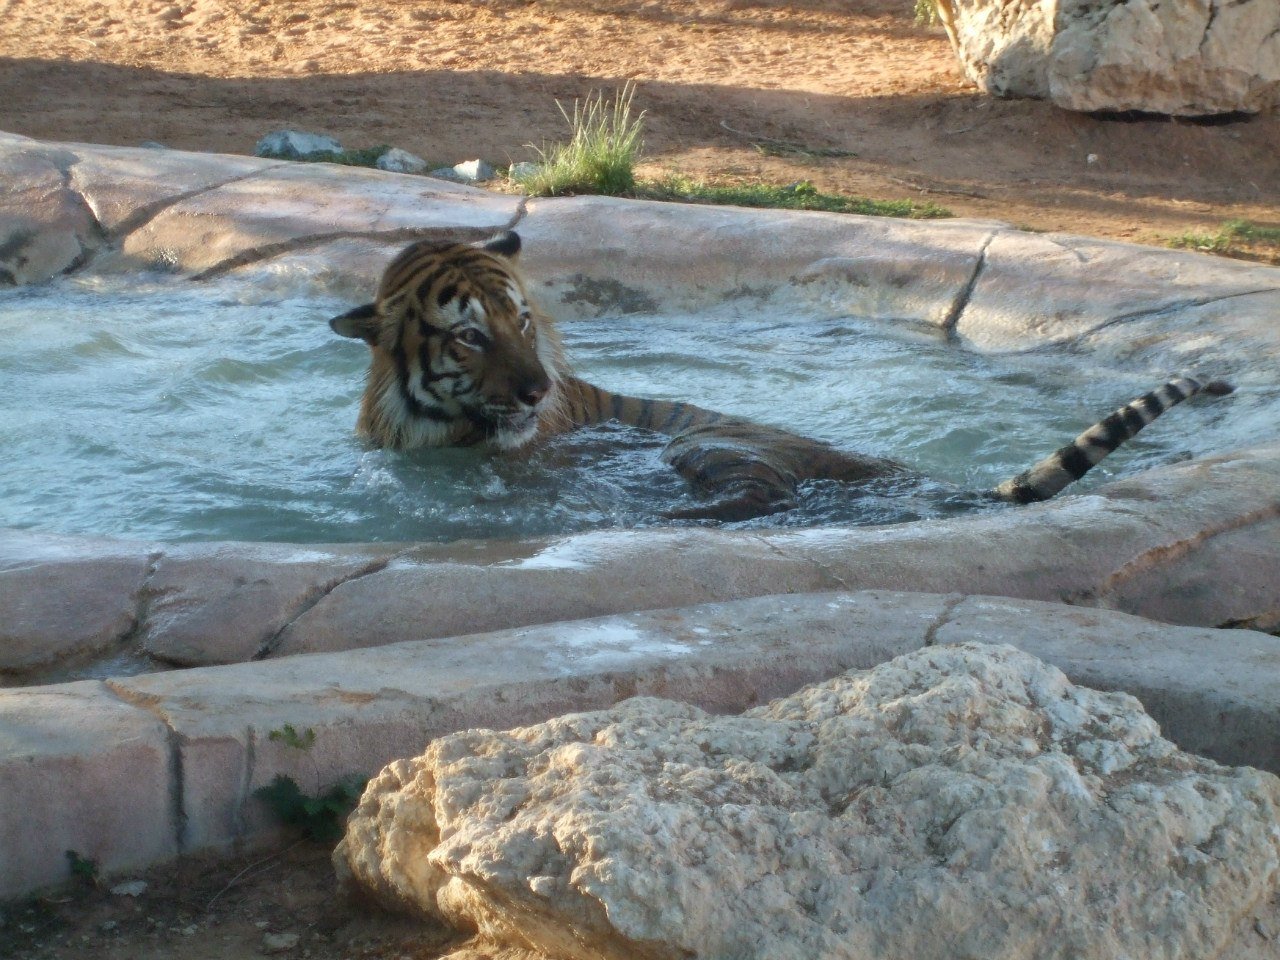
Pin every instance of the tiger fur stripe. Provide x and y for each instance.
(461, 356)
(1068, 464)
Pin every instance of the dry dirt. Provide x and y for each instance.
(451, 81)
(216, 909)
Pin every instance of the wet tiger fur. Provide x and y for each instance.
(462, 356)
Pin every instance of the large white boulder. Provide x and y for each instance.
(1179, 57)
(959, 801)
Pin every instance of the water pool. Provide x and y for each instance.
(153, 408)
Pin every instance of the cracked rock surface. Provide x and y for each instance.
(956, 801)
(1191, 543)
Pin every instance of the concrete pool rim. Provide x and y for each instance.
(1194, 543)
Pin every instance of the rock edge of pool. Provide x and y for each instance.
(379, 647)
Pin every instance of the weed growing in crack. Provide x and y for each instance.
(321, 817)
(83, 868)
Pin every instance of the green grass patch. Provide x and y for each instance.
(1235, 238)
(364, 157)
(323, 817)
(796, 196)
(605, 144)
(601, 152)
(84, 869)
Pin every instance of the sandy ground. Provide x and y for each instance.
(456, 80)
(451, 81)
(227, 908)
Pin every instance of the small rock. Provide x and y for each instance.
(401, 161)
(108, 925)
(190, 930)
(132, 888)
(1091, 159)
(469, 171)
(292, 144)
(279, 942)
(543, 886)
(474, 170)
(525, 168)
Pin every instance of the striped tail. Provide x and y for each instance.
(1086, 451)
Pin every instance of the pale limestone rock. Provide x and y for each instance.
(396, 160)
(957, 801)
(295, 144)
(469, 171)
(1180, 57)
(46, 228)
(220, 603)
(56, 609)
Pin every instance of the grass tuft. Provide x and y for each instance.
(1235, 238)
(927, 12)
(600, 155)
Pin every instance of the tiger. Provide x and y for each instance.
(462, 356)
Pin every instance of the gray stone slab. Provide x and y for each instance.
(82, 771)
(63, 598)
(226, 603)
(127, 186)
(45, 227)
(297, 204)
(1163, 545)
(600, 254)
(369, 707)
(1222, 338)
(1036, 289)
(1213, 692)
(461, 589)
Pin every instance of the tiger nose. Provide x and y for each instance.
(531, 392)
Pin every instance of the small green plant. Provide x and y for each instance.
(83, 868)
(796, 196)
(927, 12)
(320, 818)
(1235, 238)
(290, 737)
(600, 155)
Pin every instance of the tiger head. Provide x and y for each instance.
(459, 354)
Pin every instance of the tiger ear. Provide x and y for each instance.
(506, 244)
(360, 323)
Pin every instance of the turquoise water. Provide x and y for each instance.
(160, 409)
